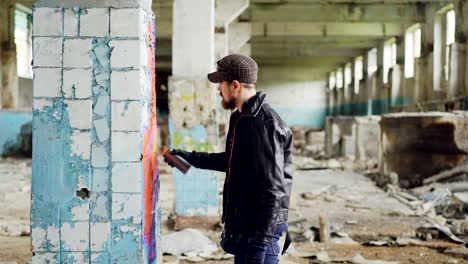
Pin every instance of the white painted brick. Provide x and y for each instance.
(41, 104)
(79, 80)
(79, 112)
(126, 116)
(77, 53)
(126, 206)
(126, 146)
(81, 144)
(75, 257)
(75, 236)
(41, 258)
(53, 238)
(47, 52)
(100, 235)
(38, 238)
(126, 177)
(125, 22)
(100, 180)
(125, 85)
(102, 129)
(70, 23)
(144, 53)
(94, 22)
(146, 88)
(99, 157)
(47, 82)
(47, 22)
(125, 53)
(80, 212)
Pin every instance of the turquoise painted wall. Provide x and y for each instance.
(10, 126)
(295, 93)
(303, 116)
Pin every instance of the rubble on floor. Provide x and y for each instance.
(15, 196)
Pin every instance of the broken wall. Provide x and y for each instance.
(340, 136)
(95, 178)
(418, 145)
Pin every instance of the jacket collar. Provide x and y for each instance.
(252, 106)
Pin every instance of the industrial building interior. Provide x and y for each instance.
(374, 91)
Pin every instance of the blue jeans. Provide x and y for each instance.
(271, 251)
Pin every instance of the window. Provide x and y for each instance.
(332, 81)
(348, 75)
(449, 40)
(371, 62)
(23, 42)
(339, 78)
(412, 49)
(358, 72)
(389, 59)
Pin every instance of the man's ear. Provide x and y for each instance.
(236, 85)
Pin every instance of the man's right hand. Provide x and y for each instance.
(181, 153)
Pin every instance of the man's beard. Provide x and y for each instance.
(228, 105)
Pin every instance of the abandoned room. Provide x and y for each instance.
(103, 101)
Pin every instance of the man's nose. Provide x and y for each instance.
(219, 87)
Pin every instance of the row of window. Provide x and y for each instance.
(342, 77)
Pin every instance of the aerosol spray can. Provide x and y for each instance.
(178, 161)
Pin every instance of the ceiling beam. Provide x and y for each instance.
(389, 12)
(360, 29)
(309, 51)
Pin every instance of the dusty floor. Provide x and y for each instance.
(350, 202)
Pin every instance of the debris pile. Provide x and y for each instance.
(191, 245)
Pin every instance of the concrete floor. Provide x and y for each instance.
(351, 203)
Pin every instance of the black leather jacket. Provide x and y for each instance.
(258, 166)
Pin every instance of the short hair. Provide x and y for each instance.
(249, 85)
(245, 85)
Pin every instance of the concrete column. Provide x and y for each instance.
(427, 48)
(95, 178)
(327, 101)
(193, 105)
(8, 69)
(456, 86)
(420, 80)
(397, 97)
(221, 44)
(377, 84)
(340, 100)
(371, 92)
(333, 102)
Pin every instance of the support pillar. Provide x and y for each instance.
(420, 80)
(397, 97)
(8, 70)
(456, 86)
(95, 174)
(193, 107)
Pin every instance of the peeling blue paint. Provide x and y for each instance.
(55, 177)
(126, 245)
